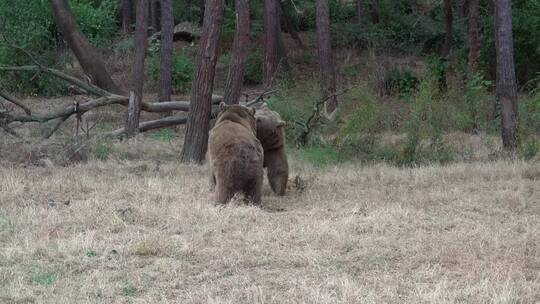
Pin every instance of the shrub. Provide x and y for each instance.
(254, 68)
(182, 71)
(400, 81)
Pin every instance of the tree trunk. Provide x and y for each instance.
(474, 35)
(136, 93)
(271, 58)
(327, 75)
(289, 27)
(196, 139)
(86, 54)
(449, 22)
(360, 11)
(167, 50)
(376, 11)
(155, 16)
(506, 76)
(235, 77)
(126, 16)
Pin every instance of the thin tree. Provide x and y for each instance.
(86, 54)
(327, 75)
(271, 26)
(506, 86)
(136, 92)
(376, 11)
(126, 16)
(196, 139)
(235, 78)
(449, 24)
(167, 50)
(360, 11)
(474, 35)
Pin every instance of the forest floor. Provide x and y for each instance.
(143, 231)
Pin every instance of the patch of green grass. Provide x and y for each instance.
(128, 289)
(90, 253)
(103, 150)
(44, 278)
(321, 156)
(163, 135)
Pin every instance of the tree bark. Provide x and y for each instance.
(506, 90)
(271, 58)
(474, 35)
(289, 27)
(136, 93)
(126, 16)
(86, 54)
(167, 50)
(155, 16)
(449, 22)
(327, 75)
(376, 11)
(235, 78)
(196, 139)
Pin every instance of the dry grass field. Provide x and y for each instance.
(137, 231)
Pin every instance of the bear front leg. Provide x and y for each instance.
(212, 180)
(254, 191)
(278, 171)
(223, 194)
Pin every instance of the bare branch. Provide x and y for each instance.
(151, 125)
(15, 102)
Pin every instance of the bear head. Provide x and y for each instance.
(238, 114)
(270, 128)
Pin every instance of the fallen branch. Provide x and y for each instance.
(315, 115)
(15, 102)
(151, 125)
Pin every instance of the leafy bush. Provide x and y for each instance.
(401, 81)
(182, 71)
(254, 68)
(97, 19)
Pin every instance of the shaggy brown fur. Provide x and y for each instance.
(235, 155)
(271, 133)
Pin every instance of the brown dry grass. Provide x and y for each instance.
(137, 232)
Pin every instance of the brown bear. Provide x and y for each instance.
(235, 155)
(271, 133)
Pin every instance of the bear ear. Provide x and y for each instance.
(223, 106)
(280, 124)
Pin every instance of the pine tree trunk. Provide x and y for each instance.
(360, 11)
(86, 54)
(327, 75)
(235, 77)
(506, 76)
(126, 16)
(376, 11)
(196, 139)
(155, 17)
(136, 93)
(167, 49)
(271, 26)
(474, 35)
(449, 22)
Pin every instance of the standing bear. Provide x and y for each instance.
(235, 155)
(271, 133)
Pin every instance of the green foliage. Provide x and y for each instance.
(182, 70)
(90, 253)
(128, 289)
(478, 104)
(322, 156)
(529, 148)
(30, 25)
(103, 150)
(44, 278)
(401, 81)
(253, 74)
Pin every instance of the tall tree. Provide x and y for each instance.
(126, 16)
(196, 139)
(327, 75)
(271, 26)
(86, 54)
(167, 49)
(449, 22)
(506, 90)
(474, 34)
(235, 77)
(360, 10)
(376, 11)
(136, 92)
